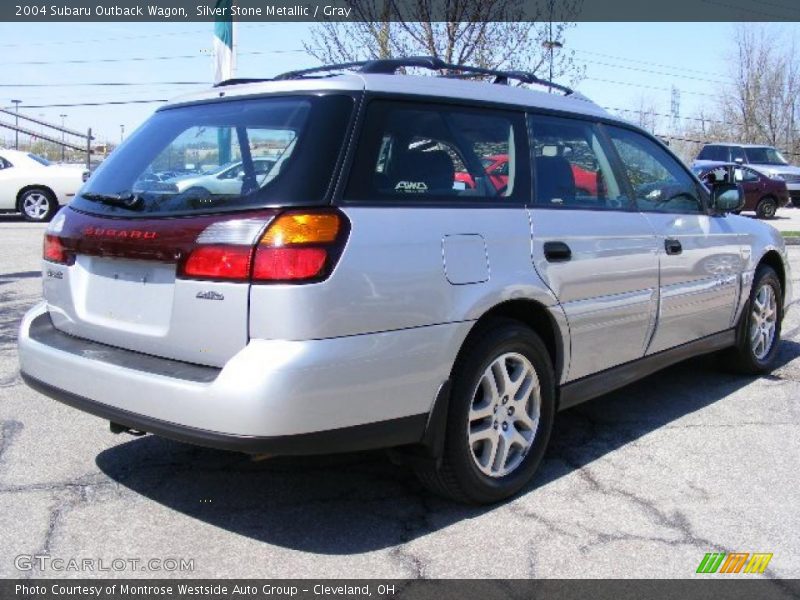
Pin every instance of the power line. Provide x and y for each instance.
(124, 38)
(102, 84)
(656, 114)
(106, 103)
(644, 62)
(643, 70)
(649, 87)
(92, 61)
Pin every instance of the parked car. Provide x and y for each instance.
(496, 167)
(31, 185)
(763, 194)
(764, 159)
(357, 299)
(225, 180)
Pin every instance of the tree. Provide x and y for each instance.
(763, 104)
(497, 34)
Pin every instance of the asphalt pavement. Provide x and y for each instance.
(639, 483)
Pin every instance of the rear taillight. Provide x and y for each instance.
(296, 247)
(299, 246)
(54, 250)
(219, 262)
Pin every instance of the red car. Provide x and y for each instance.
(762, 194)
(496, 167)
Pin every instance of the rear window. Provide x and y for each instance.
(229, 155)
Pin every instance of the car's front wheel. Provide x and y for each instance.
(37, 205)
(500, 415)
(759, 332)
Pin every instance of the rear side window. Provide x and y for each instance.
(571, 167)
(410, 152)
(659, 182)
(713, 153)
(226, 155)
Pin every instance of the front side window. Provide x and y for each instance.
(223, 156)
(746, 175)
(659, 182)
(4, 164)
(571, 167)
(428, 153)
(764, 155)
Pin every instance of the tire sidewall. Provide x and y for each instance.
(506, 337)
(763, 275)
(52, 206)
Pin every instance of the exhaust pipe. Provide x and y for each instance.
(117, 428)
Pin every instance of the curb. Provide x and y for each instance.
(792, 240)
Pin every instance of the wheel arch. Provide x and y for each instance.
(773, 259)
(535, 315)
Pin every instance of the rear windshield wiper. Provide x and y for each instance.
(130, 201)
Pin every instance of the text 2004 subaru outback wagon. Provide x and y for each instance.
(373, 275)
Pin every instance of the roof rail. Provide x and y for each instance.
(389, 66)
(322, 69)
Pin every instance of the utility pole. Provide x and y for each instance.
(550, 44)
(675, 109)
(16, 123)
(63, 147)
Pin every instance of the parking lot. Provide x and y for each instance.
(639, 483)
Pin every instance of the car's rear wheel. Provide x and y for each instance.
(500, 415)
(759, 331)
(767, 207)
(37, 205)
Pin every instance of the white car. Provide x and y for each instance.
(225, 180)
(31, 185)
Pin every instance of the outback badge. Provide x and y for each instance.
(210, 295)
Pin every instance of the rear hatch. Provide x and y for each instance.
(141, 261)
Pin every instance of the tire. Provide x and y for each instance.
(767, 207)
(747, 357)
(475, 473)
(37, 205)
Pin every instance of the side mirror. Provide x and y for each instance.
(727, 197)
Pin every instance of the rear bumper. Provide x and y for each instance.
(275, 396)
(395, 432)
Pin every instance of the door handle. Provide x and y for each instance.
(557, 252)
(673, 247)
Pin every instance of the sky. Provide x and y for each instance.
(626, 65)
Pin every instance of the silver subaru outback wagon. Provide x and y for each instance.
(431, 264)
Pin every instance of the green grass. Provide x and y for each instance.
(790, 233)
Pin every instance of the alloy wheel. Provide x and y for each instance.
(35, 205)
(504, 414)
(763, 320)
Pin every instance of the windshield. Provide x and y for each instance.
(764, 155)
(39, 159)
(227, 155)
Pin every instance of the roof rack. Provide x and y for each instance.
(389, 66)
